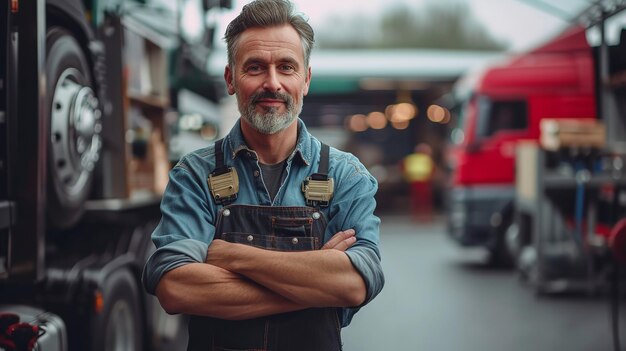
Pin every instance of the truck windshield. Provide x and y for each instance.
(457, 134)
(500, 115)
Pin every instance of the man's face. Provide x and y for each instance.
(269, 77)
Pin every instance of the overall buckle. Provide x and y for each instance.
(318, 192)
(224, 185)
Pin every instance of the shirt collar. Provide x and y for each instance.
(303, 150)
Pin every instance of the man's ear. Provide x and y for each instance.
(307, 81)
(228, 77)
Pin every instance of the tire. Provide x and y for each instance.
(119, 326)
(165, 331)
(75, 125)
(513, 242)
(499, 254)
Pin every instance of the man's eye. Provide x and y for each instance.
(286, 68)
(253, 69)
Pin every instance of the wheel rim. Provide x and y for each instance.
(513, 240)
(75, 132)
(120, 331)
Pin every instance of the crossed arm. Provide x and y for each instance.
(242, 282)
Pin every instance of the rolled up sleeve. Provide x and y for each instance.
(367, 263)
(169, 257)
(186, 227)
(353, 207)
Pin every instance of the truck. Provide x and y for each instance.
(88, 102)
(497, 107)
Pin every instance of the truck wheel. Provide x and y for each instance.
(75, 125)
(118, 327)
(165, 331)
(499, 255)
(513, 241)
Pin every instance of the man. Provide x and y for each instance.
(267, 238)
(419, 169)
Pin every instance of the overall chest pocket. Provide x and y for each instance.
(270, 242)
(273, 228)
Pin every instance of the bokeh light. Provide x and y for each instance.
(402, 125)
(376, 120)
(438, 114)
(401, 112)
(356, 123)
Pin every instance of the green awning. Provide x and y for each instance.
(324, 85)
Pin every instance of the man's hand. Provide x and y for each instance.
(341, 240)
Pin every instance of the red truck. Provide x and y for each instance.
(498, 107)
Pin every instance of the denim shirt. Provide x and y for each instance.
(189, 212)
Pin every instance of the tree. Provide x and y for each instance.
(436, 25)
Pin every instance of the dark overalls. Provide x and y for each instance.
(274, 228)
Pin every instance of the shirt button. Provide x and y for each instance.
(294, 241)
(257, 173)
(250, 238)
(316, 215)
(226, 212)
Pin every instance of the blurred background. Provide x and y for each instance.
(385, 75)
(496, 132)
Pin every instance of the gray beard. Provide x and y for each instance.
(270, 121)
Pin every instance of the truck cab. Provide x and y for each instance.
(498, 107)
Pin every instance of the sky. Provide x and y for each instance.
(516, 22)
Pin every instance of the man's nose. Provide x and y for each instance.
(272, 83)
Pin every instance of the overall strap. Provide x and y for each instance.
(322, 170)
(223, 181)
(219, 156)
(318, 188)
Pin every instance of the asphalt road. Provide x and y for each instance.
(438, 297)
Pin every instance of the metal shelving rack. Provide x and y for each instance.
(561, 257)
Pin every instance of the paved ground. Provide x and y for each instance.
(438, 297)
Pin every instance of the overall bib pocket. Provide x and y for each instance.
(291, 243)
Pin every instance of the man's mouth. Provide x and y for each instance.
(270, 102)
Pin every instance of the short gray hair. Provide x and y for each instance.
(268, 13)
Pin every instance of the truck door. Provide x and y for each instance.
(500, 123)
